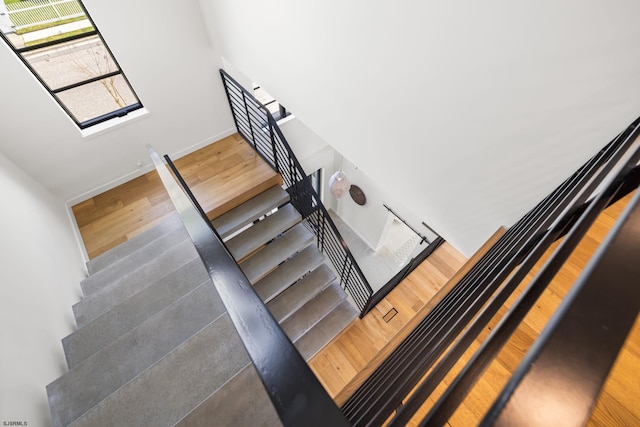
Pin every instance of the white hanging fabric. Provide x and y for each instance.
(339, 184)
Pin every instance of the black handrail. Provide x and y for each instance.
(503, 331)
(384, 391)
(295, 392)
(381, 293)
(423, 238)
(430, 229)
(493, 264)
(258, 127)
(188, 192)
(565, 349)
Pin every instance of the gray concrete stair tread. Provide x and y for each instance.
(149, 348)
(313, 311)
(326, 329)
(241, 402)
(124, 288)
(250, 211)
(118, 363)
(105, 329)
(259, 264)
(148, 254)
(165, 393)
(169, 224)
(134, 261)
(288, 273)
(297, 295)
(262, 232)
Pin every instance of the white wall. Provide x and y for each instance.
(368, 221)
(471, 111)
(39, 281)
(165, 52)
(306, 145)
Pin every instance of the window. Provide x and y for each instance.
(58, 41)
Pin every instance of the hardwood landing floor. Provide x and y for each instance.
(348, 360)
(619, 400)
(221, 175)
(220, 171)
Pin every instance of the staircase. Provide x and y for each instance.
(154, 344)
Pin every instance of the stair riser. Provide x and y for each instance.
(249, 212)
(264, 231)
(261, 263)
(241, 402)
(326, 329)
(171, 223)
(296, 296)
(168, 391)
(156, 346)
(313, 312)
(102, 302)
(107, 328)
(135, 261)
(288, 273)
(115, 365)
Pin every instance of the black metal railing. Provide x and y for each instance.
(478, 296)
(381, 293)
(423, 238)
(258, 127)
(178, 176)
(295, 392)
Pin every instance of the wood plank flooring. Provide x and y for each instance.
(346, 362)
(220, 171)
(222, 176)
(619, 402)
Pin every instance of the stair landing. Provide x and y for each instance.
(344, 363)
(222, 176)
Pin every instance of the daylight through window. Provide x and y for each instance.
(61, 45)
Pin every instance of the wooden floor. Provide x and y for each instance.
(346, 361)
(619, 402)
(349, 359)
(222, 176)
(217, 172)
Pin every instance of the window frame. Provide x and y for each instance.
(118, 113)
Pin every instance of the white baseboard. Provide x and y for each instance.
(107, 186)
(126, 178)
(139, 172)
(78, 238)
(202, 144)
